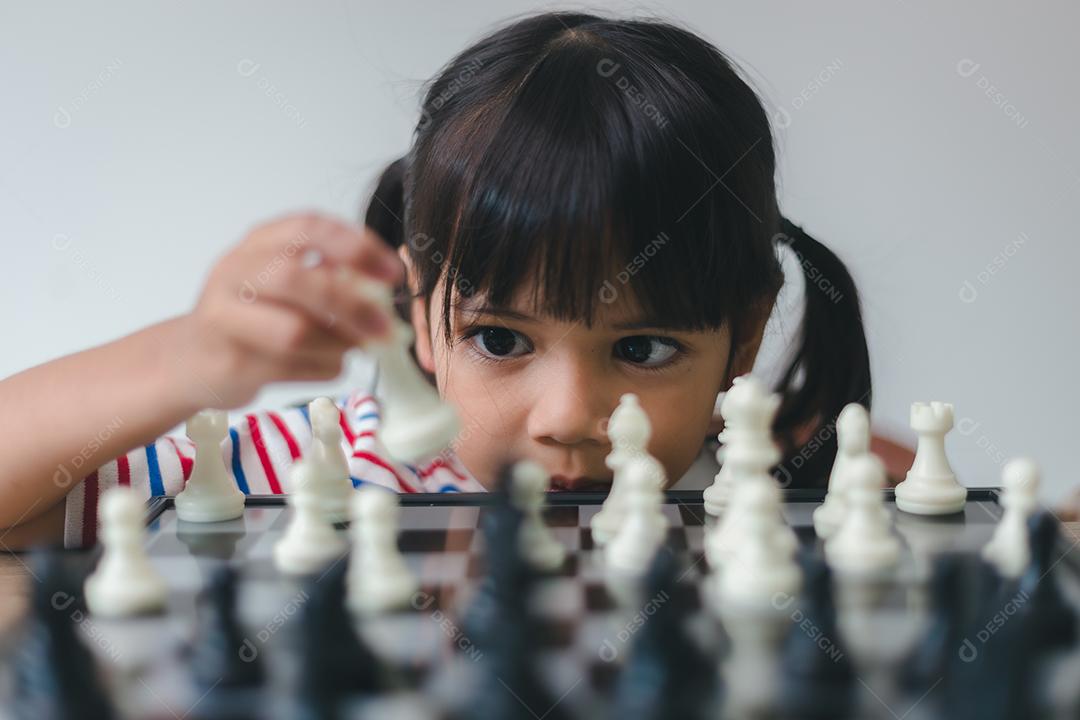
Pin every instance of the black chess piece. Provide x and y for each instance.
(335, 663)
(991, 672)
(667, 675)
(222, 656)
(54, 674)
(817, 678)
(499, 623)
(927, 664)
(1052, 620)
(508, 684)
(226, 665)
(503, 594)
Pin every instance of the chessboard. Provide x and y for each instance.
(586, 634)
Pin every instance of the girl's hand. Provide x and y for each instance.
(285, 304)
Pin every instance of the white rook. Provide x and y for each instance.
(931, 487)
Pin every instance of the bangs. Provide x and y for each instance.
(587, 176)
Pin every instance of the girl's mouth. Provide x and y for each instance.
(562, 483)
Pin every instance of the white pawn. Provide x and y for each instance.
(645, 527)
(124, 583)
(377, 579)
(310, 542)
(540, 549)
(331, 483)
(629, 430)
(865, 542)
(723, 539)
(852, 440)
(762, 566)
(931, 487)
(211, 494)
(416, 421)
(1009, 549)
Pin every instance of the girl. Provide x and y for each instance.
(588, 208)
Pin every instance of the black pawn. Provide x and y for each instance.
(817, 681)
(334, 662)
(1052, 621)
(54, 676)
(667, 674)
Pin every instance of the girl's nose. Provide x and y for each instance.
(570, 407)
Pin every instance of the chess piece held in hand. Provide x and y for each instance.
(416, 421)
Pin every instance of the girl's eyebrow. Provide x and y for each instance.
(505, 312)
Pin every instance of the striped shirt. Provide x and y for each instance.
(258, 452)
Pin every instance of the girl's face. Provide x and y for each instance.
(530, 387)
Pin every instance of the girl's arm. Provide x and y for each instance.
(67, 417)
(284, 304)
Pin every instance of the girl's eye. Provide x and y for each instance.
(498, 342)
(646, 350)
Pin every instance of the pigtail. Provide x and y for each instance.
(386, 211)
(831, 367)
(385, 215)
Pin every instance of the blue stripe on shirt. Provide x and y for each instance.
(368, 416)
(157, 488)
(356, 482)
(307, 416)
(237, 469)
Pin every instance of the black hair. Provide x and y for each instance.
(597, 157)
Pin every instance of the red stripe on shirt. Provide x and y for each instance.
(90, 503)
(345, 428)
(375, 459)
(294, 449)
(264, 457)
(123, 470)
(440, 463)
(357, 402)
(186, 463)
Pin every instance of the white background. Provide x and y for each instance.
(133, 152)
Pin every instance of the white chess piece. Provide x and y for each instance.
(717, 496)
(852, 440)
(931, 487)
(645, 527)
(865, 542)
(416, 421)
(748, 410)
(749, 455)
(331, 482)
(377, 579)
(629, 430)
(211, 494)
(124, 582)
(761, 566)
(540, 549)
(310, 542)
(1009, 548)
